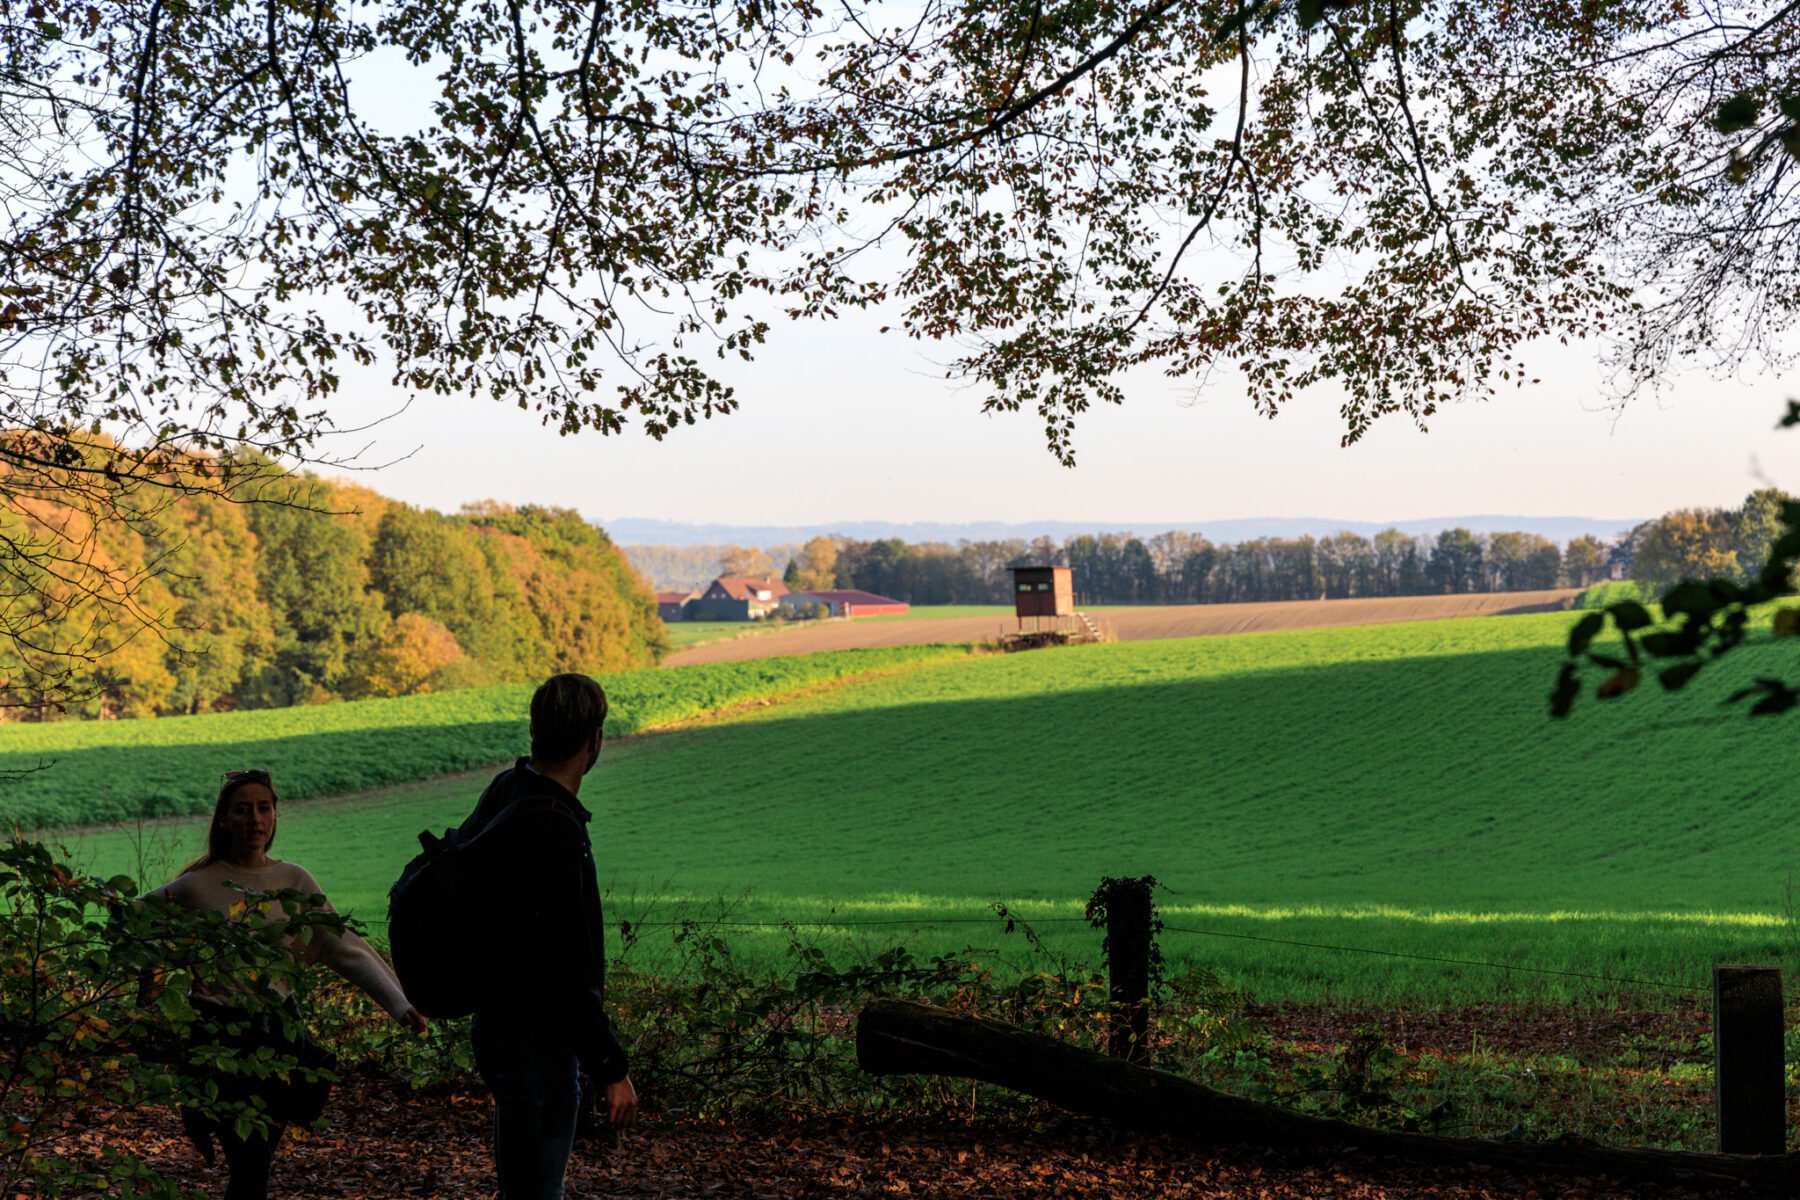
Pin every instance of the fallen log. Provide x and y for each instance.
(897, 1037)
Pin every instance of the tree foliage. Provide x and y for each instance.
(95, 1006)
(748, 561)
(205, 222)
(407, 659)
(815, 568)
(292, 597)
(605, 203)
(1698, 619)
(1184, 567)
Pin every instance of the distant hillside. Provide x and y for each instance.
(651, 531)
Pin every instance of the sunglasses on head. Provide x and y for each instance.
(253, 775)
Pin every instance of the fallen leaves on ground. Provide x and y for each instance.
(383, 1142)
(1590, 1032)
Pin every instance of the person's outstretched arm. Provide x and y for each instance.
(353, 958)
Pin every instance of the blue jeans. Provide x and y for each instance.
(536, 1095)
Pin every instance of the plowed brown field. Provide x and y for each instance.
(1132, 624)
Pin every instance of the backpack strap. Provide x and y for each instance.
(514, 810)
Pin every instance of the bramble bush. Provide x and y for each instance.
(173, 763)
(95, 1015)
(714, 1032)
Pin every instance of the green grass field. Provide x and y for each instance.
(109, 770)
(1394, 787)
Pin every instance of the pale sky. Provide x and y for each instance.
(839, 423)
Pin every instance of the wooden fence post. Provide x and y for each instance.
(1128, 968)
(1749, 1084)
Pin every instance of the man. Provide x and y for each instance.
(544, 1014)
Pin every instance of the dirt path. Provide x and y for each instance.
(1132, 624)
(385, 1144)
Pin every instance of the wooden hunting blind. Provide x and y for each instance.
(1043, 592)
(1044, 599)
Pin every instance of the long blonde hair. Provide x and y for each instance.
(218, 841)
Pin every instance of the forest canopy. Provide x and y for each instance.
(304, 590)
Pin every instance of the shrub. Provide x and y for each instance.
(713, 1032)
(94, 1014)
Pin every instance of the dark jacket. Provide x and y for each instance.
(552, 944)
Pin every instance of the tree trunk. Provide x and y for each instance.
(896, 1037)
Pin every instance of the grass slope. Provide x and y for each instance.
(111, 770)
(1393, 787)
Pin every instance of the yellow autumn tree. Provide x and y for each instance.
(1689, 543)
(817, 567)
(409, 654)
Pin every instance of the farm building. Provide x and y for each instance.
(846, 603)
(736, 598)
(669, 605)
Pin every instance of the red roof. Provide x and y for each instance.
(672, 597)
(742, 587)
(855, 597)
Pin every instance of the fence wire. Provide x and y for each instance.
(1434, 958)
(927, 922)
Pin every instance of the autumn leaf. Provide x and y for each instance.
(1619, 683)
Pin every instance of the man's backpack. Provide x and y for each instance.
(440, 917)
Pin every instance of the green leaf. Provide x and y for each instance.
(1585, 631)
(1790, 108)
(1691, 599)
(1629, 615)
(1619, 683)
(1737, 114)
(1671, 643)
(1676, 677)
(1231, 26)
(1777, 697)
(1562, 697)
(1776, 702)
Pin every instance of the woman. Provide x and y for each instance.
(236, 864)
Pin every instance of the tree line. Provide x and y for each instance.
(309, 590)
(1704, 543)
(690, 568)
(1180, 567)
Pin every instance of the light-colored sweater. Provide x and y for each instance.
(221, 887)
